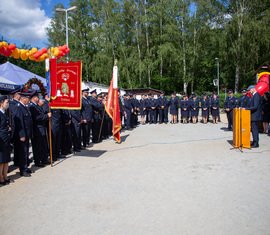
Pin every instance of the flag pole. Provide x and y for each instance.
(50, 138)
(101, 125)
(47, 68)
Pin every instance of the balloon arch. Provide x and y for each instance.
(10, 50)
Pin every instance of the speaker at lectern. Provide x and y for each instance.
(241, 128)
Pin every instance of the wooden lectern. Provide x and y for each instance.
(241, 128)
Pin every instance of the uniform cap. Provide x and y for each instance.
(3, 97)
(27, 93)
(85, 90)
(244, 90)
(250, 87)
(15, 91)
(93, 91)
(230, 91)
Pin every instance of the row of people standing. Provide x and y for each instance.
(156, 110)
(26, 117)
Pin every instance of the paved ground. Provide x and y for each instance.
(163, 179)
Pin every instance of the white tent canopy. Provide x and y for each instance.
(16, 75)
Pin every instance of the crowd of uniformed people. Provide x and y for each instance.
(24, 119)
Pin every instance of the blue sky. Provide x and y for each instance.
(25, 21)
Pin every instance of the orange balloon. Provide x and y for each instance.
(16, 53)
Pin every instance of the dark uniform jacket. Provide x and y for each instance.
(244, 101)
(128, 106)
(23, 122)
(39, 119)
(97, 108)
(153, 103)
(230, 103)
(87, 110)
(4, 136)
(162, 101)
(256, 107)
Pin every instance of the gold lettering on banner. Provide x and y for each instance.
(71, 71)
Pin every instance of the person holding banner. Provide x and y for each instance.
(39, 138)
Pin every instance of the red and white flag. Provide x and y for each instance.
(112, 106)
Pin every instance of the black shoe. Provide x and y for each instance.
(255, 145)
(62, 156)
(29, 171)
(3, 183)
(76, 150)
(46, 163)
(39, 165)
(8, 181)
(25, 174)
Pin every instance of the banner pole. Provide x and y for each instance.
(50, 138)
(101, 125)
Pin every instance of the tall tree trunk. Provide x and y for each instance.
(240, 6)
(147, 44)
(161, 57)
(138, 43)
(184, 54)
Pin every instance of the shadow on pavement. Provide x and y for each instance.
(91, 153)
(230, 142)
(124, 137)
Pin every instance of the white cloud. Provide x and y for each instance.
(23, 20)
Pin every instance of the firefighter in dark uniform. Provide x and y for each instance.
(229, 104)
(184, 105)
(256, 115)
(87, 113)
(153, 110)
(97, 115)
(56, 133)
(162, 105)
(244, 101)
(205, 105)
(76, 129)
(13, 104)
(22, 134)
(194, 108)
(143, 109)
(39, 137)
(66, 138)
(5, 134)
(128, 109)
(214, 103)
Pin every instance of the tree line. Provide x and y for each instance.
(173, 45)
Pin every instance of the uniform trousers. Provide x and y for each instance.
(230, 119)
(255, 131)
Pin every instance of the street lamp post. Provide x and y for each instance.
(216, 59)
(66, 10)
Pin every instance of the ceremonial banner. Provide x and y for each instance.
(66, 80)
(112, 106)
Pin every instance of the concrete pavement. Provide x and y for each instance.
(163, 179)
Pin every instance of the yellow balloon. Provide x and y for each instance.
(5, 44)
(31, 57)
(23, 54)
(33, 50)
(16, 53)
(56, 52)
